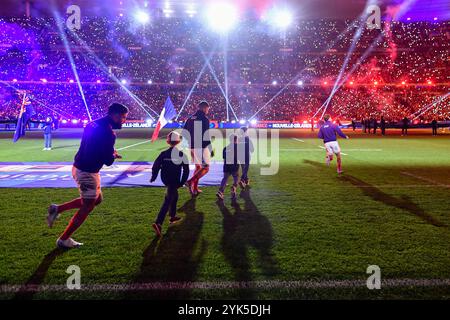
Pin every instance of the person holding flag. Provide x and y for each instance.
(25, 114)
(167, 114)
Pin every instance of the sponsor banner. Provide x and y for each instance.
(59, 175)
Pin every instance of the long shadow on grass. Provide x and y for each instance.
(27, 291)
(174, 258)
(244, 229)
(403, 203)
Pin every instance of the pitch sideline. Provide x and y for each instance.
(212, 285)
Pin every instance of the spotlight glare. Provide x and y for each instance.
(280, 18)
(14, 80)
(299, 83)
(142, 17)
(149, 81)
(274, 82)
(123, 81)
(222, 17)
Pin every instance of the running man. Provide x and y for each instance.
(196, 133)
(96, 149)
(328, 133)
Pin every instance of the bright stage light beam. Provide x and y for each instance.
(142, 17)
(222, 16)
(281, 18)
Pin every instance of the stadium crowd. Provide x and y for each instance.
(294, 72)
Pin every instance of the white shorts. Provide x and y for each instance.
(332, 147)
(88, 183)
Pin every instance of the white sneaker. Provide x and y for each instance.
(68, 244)
(52, 214)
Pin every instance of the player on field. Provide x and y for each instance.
(328, 132)
(197, 134)
(230, 167)
(171, 163)
(96, 150)
(245, 149)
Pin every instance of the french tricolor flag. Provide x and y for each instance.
(167, 114)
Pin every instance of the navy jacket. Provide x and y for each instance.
(47, 128)
(97, 146)
(245, 149)
(329, 130)
(230, 158)
(195, 141)
(171, 167)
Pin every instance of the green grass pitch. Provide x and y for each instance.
(390, 208)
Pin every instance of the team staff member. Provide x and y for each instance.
(196, 132)
(434, 127)
(383, 126)
(96, 149)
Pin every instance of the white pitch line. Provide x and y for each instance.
(217, 285)
(426, 179)
(299, 140)
(136, 144)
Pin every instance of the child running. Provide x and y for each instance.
(171, 162)
(230, 167)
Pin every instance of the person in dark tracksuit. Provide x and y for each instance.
(172, 163)
(245, 149)
(405, 123)
(230, 167)
(383, 126)
(375, 125)
(48, 134)
(434, 127)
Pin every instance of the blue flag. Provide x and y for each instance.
(26, 111)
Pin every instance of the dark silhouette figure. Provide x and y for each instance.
(403, 203)
(405, 124)
(27, 291)
(375, 125)
(434, 127)
(246, 228)
(383, 126)
(172, 258)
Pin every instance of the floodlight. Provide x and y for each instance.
(222, 16)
